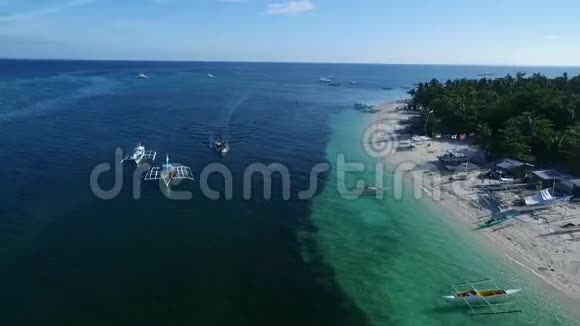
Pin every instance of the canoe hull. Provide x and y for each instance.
(480, 299)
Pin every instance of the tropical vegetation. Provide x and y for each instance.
(533, 119)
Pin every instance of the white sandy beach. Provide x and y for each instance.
(554, 259)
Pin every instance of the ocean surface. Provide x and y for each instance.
(71, 258)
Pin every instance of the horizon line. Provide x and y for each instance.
(298, 62)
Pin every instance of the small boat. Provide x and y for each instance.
(220, 146)
(142, 76)
(327, 79)
(475, 296)
(483, 297)
(140, 155)
(368, 191)
(494, 222)
(210, 76)
(353, 82)
(365, 108)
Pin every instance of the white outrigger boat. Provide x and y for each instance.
(481, 295)
(368, 191)
(485, 301)
(140, 155)
(142, 76)
(169, 173)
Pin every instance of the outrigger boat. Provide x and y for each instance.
(169, 173)
(220, 146)
(486, 301)
(494, 222)
(327, 79)
(140, 155)
(368, 191)
(481, 295)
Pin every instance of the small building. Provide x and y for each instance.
(572, 188)
(547, 178)
(576, 190)
(453, 158)
(512, 168)
(405, 145)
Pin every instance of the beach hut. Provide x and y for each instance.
(512, 168)
(546, 178)
(576, 191)
(453, 158)
(572, 187)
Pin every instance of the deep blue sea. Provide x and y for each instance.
(70, 258)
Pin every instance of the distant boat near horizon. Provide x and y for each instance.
(142, 76)
(210, 76)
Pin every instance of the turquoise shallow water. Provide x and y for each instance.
(394, 258)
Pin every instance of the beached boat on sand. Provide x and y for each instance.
(494, 222)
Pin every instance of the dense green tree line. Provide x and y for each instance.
(534, 119)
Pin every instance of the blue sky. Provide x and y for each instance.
(491, 32)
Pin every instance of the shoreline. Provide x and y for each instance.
(550, 259)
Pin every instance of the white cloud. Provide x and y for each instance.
(43, 11)
(290, 8)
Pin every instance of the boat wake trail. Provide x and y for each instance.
(230, 109)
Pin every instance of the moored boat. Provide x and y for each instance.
(368, 191)
(475, 296)
(220, 146)
(490, 299)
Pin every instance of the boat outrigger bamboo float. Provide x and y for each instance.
(489, 300)
(368, 191)
(169, 173)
